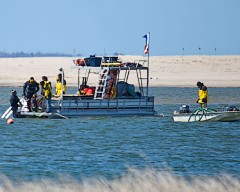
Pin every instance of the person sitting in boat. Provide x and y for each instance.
(30, 88)
(15, 103)
(202, 95)
(83, 87)
(47, 92)
(59, 88)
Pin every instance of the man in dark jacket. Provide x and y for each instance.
(15, 102)
(30, 88)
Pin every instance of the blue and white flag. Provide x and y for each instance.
(146, 47)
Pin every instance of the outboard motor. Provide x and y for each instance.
(184, 109)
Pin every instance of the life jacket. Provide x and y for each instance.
(113, 93)
(203, 95)
(89, 91)
(47, 89)
(59, 87)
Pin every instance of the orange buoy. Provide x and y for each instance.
(10, 121)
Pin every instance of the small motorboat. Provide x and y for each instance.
(228, 114)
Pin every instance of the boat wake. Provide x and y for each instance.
(133, 181)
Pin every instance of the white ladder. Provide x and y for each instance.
(101, 83)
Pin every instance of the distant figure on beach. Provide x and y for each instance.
(61, 87)
(15, 103)
(202, 95)
(30, 88)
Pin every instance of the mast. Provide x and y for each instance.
(148, 62)
(62, 72)
(146, 51)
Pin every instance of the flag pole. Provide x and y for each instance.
(146, 51)
(148, 63)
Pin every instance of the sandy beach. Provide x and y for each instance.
(174, 71)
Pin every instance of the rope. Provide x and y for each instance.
(202, 111)
(61, 115)
(39, 115)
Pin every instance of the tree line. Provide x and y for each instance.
(37, 54)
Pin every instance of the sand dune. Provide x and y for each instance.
(184, 71)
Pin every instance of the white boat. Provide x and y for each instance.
(205, 114)
(111, 94)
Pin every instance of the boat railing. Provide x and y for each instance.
(70, 103)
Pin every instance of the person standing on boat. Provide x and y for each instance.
(30, 88)
(15, 103)
(47, 92)
(202, 95)
(61, 87)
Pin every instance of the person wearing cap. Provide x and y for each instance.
(61, 87)
(46, 92)
(15, 103)
(30, 88)
(202, 95)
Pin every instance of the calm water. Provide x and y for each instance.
(89, 148)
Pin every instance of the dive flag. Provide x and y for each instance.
(146, 47)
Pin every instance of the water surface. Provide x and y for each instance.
(35, 149)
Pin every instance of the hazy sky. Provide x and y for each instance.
(96, 26)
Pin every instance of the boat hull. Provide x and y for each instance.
(225, 116)
(75, 106)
